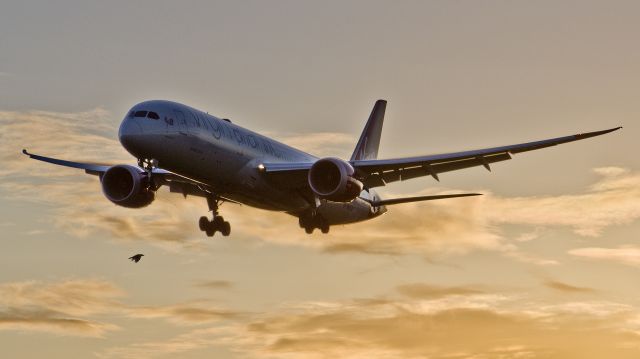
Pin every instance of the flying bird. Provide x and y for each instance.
(136, 258)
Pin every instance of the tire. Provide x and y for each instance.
(225, 229)
(203, 223)
(210, 230)
(218, 221)
(308, 230)
(325, 228)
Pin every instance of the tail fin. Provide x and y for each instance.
(367, 147)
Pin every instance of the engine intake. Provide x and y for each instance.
(332, 178)
(127, 186)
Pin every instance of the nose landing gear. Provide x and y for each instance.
(217, 222)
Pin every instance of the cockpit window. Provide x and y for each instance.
(140, 114)
(153, 115)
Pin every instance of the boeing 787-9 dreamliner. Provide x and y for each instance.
(194, 153)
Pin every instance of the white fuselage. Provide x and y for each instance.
(227, 157)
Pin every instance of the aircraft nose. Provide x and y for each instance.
(129, 134)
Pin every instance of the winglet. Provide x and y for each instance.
(580, 136)
(24, 150)
(367, 147)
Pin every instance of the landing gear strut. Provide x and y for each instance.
(148, 164)
(217, 222)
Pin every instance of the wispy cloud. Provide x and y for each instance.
(427, 291)
(71, 307)
(567, 288)
(185, 313)
(628, 255)
(63, 308)
(214, 284)
(321, 144)
(460, 325)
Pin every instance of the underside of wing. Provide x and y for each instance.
(375, 173)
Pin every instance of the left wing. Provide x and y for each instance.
(387, 202)
(380, 172)
(375, 173)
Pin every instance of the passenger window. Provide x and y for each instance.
(141, 114)
(153, 115)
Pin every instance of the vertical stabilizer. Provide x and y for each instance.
(367, 147)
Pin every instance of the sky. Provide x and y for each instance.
(543, 265)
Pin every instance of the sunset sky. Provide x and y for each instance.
(545, 265)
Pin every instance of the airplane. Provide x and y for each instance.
(194, 153)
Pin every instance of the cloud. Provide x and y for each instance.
(628, 255)
(61, 308)
(321, 144)
(426, 291)
(432, 329)
(425, 321)
(215, 284)
(567, 288)
(185, 313)
(69, 308)
(192, 340)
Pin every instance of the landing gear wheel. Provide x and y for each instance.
(210, 229)
(218, 221)
(324, 228)
(309, 230)
(225, 228)
(203, 223)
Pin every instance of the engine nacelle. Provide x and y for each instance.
(127, 186)
(332, 178)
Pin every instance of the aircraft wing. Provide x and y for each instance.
(175, 182)
(378, 172)
(375, 173)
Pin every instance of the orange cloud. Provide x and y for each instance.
(61, 308)
(628, 255)
(471, 325)
(567, 288)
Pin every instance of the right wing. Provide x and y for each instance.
(176, 183)
(375, 173)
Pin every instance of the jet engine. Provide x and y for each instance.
(333, 179)
(127, 186)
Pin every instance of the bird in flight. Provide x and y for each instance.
(136, 258)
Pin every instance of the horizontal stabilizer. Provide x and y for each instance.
(420, 198)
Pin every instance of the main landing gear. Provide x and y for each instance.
(217, 223)
(310, 222)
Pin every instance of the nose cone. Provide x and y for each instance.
(130, 135)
